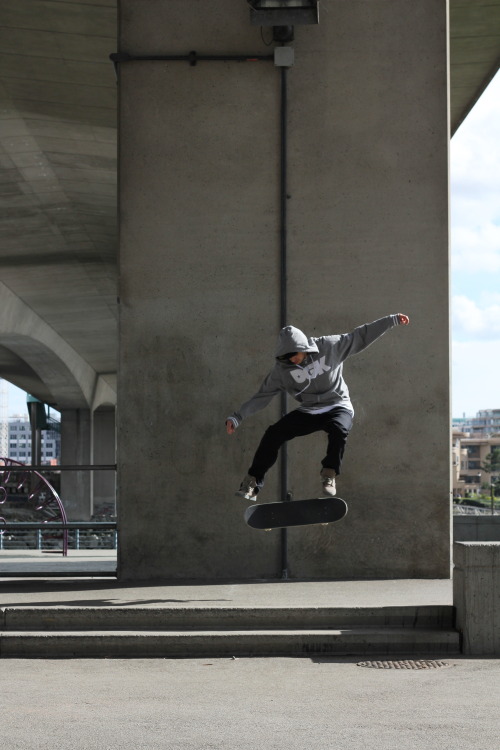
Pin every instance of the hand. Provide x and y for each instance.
(404, 320)
(230, 428)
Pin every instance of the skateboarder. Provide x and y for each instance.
(310, 370)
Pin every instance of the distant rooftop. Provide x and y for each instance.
(486, 422)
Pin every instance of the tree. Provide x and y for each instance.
(491, 462)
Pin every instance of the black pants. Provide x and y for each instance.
(336, 423)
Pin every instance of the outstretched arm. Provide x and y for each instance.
(363, 336)
(269, 388)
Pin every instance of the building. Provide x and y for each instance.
(20, 442)
(468, 455)
(484, 424)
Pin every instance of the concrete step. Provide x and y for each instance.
(207, 643)
(176, 631)
(224, 618)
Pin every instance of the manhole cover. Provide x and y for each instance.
(404, 664)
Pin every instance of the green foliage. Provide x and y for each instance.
(492, 461)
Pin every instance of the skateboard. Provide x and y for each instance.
(320, 510)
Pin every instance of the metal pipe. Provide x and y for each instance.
(191, 57)
(20, 468)
(283, 197)
(285, 495)
(54, 526)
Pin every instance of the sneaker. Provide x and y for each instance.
(328, 481)
(248, 488)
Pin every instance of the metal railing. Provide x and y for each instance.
(473, 510)
(45, 499)
(47, 536)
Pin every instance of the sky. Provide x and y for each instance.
(475, 261)
(16, 401)
(475, 257)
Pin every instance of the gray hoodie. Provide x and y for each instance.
(317, 384)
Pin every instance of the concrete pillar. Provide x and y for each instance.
(104, 452)
(200, 282)
(75, 450)
(476, 596)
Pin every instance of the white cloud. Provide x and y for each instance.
(476, 249)
(475, 186)
(490, 298)
(475, 368)
(476, 144)
(15, 400)
(476, 203)
(473, 322)
(475, 252)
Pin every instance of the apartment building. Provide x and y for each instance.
(468, 456)
(486, 423)
(20, 442)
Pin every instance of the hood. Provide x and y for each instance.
(292, 339)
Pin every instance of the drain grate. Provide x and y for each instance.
(404, 664)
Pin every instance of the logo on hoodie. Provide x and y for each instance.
(311, 372)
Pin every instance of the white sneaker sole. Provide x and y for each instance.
(329, 491)
(245, 495)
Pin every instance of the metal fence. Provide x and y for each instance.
(473, 510)
(49, 536)
(51, 529)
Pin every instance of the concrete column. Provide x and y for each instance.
(476, 596)
(104, 452)
(75, 450)
(200, 282)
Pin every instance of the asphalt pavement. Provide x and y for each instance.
(248, 704)
(276, 703)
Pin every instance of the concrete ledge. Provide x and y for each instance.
(476, 595)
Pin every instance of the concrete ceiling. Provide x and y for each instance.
(58, 175)
(474, 53)
(58, 164)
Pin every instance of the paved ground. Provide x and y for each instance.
(15, 592)
(240, 704)
(247, 704)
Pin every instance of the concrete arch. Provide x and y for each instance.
(37, 356)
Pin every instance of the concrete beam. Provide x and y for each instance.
(71, 381)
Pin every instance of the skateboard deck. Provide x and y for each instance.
(320, 510)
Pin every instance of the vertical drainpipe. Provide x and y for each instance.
(285, 495)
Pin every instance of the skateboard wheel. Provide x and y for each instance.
(267, 529)
(324, 524)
